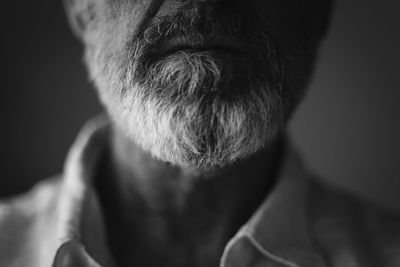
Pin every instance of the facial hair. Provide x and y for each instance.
(192, 108)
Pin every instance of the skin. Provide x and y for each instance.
(162, 215)
(158, 214)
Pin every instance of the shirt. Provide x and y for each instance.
(302, 222)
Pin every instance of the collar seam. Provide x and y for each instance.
(268, 254)
(231, 243)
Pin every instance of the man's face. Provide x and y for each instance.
(202, 83)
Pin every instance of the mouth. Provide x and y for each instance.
(201, 44)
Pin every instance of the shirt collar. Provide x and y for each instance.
(80, 229)
(277, 230)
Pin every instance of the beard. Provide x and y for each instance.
(192, 107)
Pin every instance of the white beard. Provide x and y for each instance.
(193, 108)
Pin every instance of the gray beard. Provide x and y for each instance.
(192, 109)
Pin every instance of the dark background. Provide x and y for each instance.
(347, 129)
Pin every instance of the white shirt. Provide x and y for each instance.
(302, 223)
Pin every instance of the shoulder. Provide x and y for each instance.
(22, 217)
(347, 228)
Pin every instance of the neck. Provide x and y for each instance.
(182, 204)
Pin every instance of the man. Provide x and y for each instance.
(191, 166)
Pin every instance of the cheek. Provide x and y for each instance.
(124, 18)
(137, 14)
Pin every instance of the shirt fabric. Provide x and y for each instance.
(302, 222)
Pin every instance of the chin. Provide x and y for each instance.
(195, 108)
(198, 100)
(186, 143)
(198, 110)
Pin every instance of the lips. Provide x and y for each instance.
(198, 44)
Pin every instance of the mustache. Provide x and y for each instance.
(208, 26)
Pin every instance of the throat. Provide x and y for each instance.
(160, 215)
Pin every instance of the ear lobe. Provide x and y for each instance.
(80, 15)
